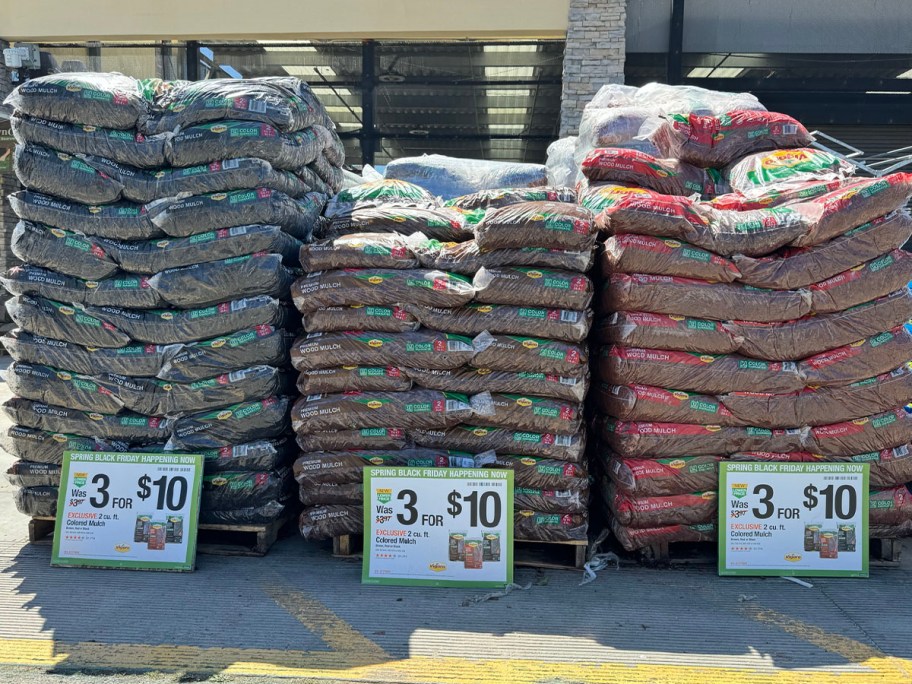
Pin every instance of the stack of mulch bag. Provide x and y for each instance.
(447, 336)
(753, 306)
(160, 230)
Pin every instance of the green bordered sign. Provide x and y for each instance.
(128, 510)
(793, 519)
(440, 527)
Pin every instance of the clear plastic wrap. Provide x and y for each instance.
(449, 177)
(560, 166)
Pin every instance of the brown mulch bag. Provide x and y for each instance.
(552, 225)
(536, 414)
(815, 334)
(347, 466)
(381, 287)
(668, 176)
(824, 405)
(643, 477)
(359, 250)
(795, 267)
(437, 223)
(550, 527)
(466, 259)
(470, 380)
(422, 349)
(900, 531)
(543, 473)
(500, 319)
(330, 494)
(353, 410)
(706, 373)
(655, 511)
(364, 438)
(550, 501)
(502, 197)
(353, 379)
(871, 433)
(658, 331)
(659, 405)
(889, 467)
(542, 287)
(531, 355)
(633, 539)
(863, 283)
(629, 253)
(637, 440)
(391, 319)
(325, 522)
(854, 203)
(891, 506)
(702, 299)
(476, 439)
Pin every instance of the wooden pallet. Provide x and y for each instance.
(211, 539)
(568, 555)
(884, 553)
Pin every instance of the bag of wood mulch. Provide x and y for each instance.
(551, 225)
(530, 355)
(472, 380)
(422, 348)
(436, 223)
(521, 412)
(234, 490)
(40, 446)
(382, 191)
(258, 515)
(466, 259)
(261, 455)
(389, 319)
(347, 466)
(359, 250)
(353, 379)
(752, 173)
(60, 387)
(183, 217)
(219, 140)
(619, 209)
(815, 334)
(44, 170)
(118, 221)
(121, 289)
(476, 439)
(865, 282)
(658, 405)
(638, 440)
(888, 468)
(648, 477)
(706, 373)
(633, 539)
(550, 527)
(351, 494)
(381, 287)
(26, 474)
(702, 298)
(59, 321)
(246, 422)
(543, 287)
(550, 501)
(359, 438)
(629, 253)
(325, 522)
(692, 508)
(657, 331)
(127, 426)
(856, 361)
(501, 319)
(415, 409)
(36, 501)
(543, 473)
(503, 197)
(668, 176)
(795, 267)
(63, 251)
(871, 433)
(891, 506)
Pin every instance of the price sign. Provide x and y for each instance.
(796, 519)
(438, 527)
(128, 510)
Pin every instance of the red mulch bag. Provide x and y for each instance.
(890, 506)
(654, 511)
(551, 225)
(619, 209)
(644, 477)
(775, 195)
(657, 331)
(633, 539)
(659, 405)
(856, 361)
(668, 176)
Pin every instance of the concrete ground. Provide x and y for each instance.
(300, 615)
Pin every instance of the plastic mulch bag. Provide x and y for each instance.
(245, 422)
(552, 225)
(438, 223)
(668, 176)
(465, 258)
(473, 319)
(392, 319)
(503, 197)
(756, 171)
(61, 250)
(219, 140)
(39, 446)
(121, 289)
(543, 287)
(58, 173)
(118, 221)
(60, 387)
(60, 321)
(261, 455)
(359, 250)
(128, 426)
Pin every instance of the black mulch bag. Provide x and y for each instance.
(138, 360)
(27, 474)
(124, 147)
(153, 256)
(258, 515)
(60, 387)
(59, 321)
(441, 224)
(97, 99)
(118, 221)
(164, 326)
(62, 250)
(217, 140)
(333, 147)
(330, 174)
(58, 173)
(262, 455)
(286, 103)
(226, 389)
(263, 344)
(36, 501)
(209, 283)
(233, 490)
(212, 211)
(142, 185)
(122, 289)
(236, 424)
(125, 425)
(40, 446)
(310, 178)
